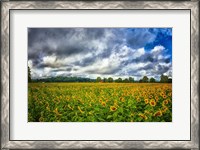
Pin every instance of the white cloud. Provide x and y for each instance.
(157, 50)
(81, 52)
(139, 52)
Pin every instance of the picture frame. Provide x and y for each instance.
(6, 83)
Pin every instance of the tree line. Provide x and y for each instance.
(145, 79)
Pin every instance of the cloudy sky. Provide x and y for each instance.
(104, 52)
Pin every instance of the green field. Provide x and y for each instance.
(99, 102)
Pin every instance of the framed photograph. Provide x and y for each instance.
(100, 74)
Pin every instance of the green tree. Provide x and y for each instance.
(131, 79)
(110, 79)
(152, 80)
(29, 74)
(169, 80)
(163, 79)
(119, 80)
(105, 80)
(145, 79)
(98, 79)
(126, 80)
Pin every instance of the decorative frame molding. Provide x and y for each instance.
(6, 6)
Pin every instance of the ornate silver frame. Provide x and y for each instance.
(6, 6)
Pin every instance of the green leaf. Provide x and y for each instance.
(109, 116)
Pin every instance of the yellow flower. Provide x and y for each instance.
(41, 119)
(158, 113)
(165, 102)
(152, 102)
(161, 94)
(164, 109)
(80, 110)
(103, 103)
(115, 104)
(146, 101)
(138, 99)
(56, 112)
(146, 112)
(113, 108)
(156, 98)
(164, 96)
(122, 99)
(143, 116)
(170, 94)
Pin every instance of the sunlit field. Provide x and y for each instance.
(99, 102)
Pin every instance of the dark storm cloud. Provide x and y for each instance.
(138, 38)
(110, 71)
(92, 52)
(61, 69)
(64, 42)
(85, 62)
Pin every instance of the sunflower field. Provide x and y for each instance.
(99, 102)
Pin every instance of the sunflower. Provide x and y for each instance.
(164, 109)
(152, 102)
(158, 113)
(56, 112)
(170, 94)
(164, 96)
(146, 101)
(147, 112)
(122, 99)
(115, 104)
(161, 94)
(143, 116)
(165, 102)
(113, 108)
(156, 98)
(138, 99)
(103, 103)
(41, 119)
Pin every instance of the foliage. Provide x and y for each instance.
(105, 80)
(98, 79)
(152, 80)
(64, 79)
(92, 102)
(163, 79)
(131, 79)
(126, 80)
(29, 74)
(145, 79)
(119, 80)
(110, 79)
